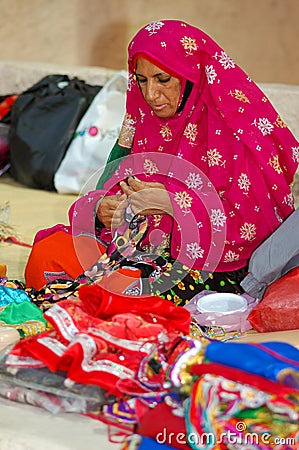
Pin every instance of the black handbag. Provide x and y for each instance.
(43, 121)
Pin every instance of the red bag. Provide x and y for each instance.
(279, 308)
(6, 103)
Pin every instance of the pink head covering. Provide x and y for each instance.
(226, 159)
(228, 140)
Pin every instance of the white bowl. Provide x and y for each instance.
(221, 302)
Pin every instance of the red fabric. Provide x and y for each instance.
(242, 377)
(104, 304)
(161, 424)
(279, 308)
(31, 347)
(90, 350)
(119, 280)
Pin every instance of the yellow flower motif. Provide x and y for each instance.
(157, 219)
(195, 274)
(191, 132)
(181, 286)
(239, 95)
(248, 231)
(275, 164)
(189, 44)
(150, 167)
(183, 199)
(166, 133)
(280, 123)
(176, 300)
(214, 158)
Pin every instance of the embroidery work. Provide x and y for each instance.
(127, 132)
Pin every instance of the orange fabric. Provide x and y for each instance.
(119, 280)
(60, 252)
(2, 270)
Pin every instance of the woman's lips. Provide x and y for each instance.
(158, 107)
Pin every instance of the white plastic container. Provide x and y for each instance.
(221, 302)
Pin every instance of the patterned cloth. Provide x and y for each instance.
(224, 413)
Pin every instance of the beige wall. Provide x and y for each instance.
(260, 35)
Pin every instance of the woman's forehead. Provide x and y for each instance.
(143, 64)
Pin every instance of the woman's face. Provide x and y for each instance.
(159, 89)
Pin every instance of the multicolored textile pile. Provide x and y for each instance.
(138, 365)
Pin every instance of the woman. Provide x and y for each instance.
(200, 176)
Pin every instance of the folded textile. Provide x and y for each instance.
(268, 359)
(3, 269)
(40, 387)
(10, 295)
(24, 317)
(278, 254)
(112, 354)
(223, 412)
(104, 304)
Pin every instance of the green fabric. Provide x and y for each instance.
(117, 154)
(16, 313)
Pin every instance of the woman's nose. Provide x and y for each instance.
(152, 91)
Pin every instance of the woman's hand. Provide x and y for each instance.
(147, 198)
(111, 210)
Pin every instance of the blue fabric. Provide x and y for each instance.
(149, 443)
(11, 295)
(255, 358)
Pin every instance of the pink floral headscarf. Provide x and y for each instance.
(227, 159)
(228, 130)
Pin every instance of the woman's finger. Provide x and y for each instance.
(136, 184)
(127, 191)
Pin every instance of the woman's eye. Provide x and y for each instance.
(164, 80)
(141, 80)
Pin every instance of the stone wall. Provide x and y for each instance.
(260, 35)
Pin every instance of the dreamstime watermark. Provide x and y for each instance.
(238, 437)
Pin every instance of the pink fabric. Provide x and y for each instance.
(227, 159)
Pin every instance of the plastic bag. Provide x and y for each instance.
(43, 121)
(279, 309)
(94, 138)
(50, 391)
